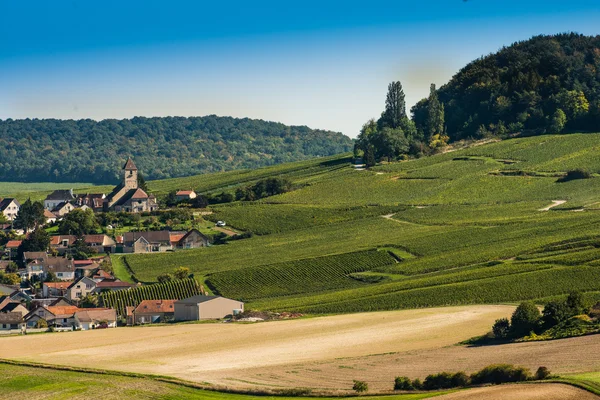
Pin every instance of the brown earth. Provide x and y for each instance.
(545, 391)
(325, 353)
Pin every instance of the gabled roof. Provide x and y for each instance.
(197, 299)
(112, 284)
(156, 306)
(64, 195)
(48, 214)
(13, 244)
(83, 278)
(63, 310)
(11, 318)
(194, 231)
(35, 255)
(57, 240)
(6, 202)
(59, 264)
(137, 194)
(58, 285)
(150, 236)
(96, 315)
(129, 165)
(102, 239)
(10, 307)
(184, 193)
(62, 206)
(176, 237)
(101, 274)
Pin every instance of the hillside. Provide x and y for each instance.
(545, 84)
(51, 150)
(464, 227)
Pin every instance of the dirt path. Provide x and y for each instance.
(228, 232)
(555, 203)
(541, 391)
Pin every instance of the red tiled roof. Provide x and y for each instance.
(130, 165)
(13, 244)
(48, 214)
(83, 262)
(156, 306)
(139, 194)
(184, 192)
(94, 238)
(102, 274)
(58, 285)
(176, 237)
(109, 284)
(62, 310)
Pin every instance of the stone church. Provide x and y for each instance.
(127, 196)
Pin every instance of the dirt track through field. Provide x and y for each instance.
(323, 352)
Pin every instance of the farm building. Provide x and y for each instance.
(206, 307)
(185, 195)
(95, 318)
(152, 311)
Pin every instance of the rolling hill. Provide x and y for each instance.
(468, 226)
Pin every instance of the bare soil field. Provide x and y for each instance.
(545, 391)
(325, 353)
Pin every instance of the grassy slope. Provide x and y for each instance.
(454, 211)
(29, 382)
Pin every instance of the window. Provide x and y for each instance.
(78, 295)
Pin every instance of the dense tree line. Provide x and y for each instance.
(51, 150)
(548, 84)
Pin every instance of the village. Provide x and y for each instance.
(59, 282)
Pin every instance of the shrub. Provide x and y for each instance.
(41, 323)
(501, 328)
(417, 384)
(444, 380)
(576, 304)
(555, 312)
(164, 278)
(525, 319)
(181, 273)
(403, 383)
(500, 373)
(575, 174)
(360, 386)
(542, 373)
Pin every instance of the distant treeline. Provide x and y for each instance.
(51, 150)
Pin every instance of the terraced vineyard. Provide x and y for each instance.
(470, 218)
(174, 290)
(296, 277)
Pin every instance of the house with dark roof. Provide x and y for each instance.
(63, 209)
(146, 242)
(62, 267)
(128, 196)
(58, 197)
(9, 207)
(206, 307)
(152, 311)
(192, 240)
(80, 288)
(111, 285)
(11, 321)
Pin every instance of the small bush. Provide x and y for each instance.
(501, 328)
(445, 380)
(417, 384)
(575, 174)
(542, 373)
(360, 386)
(500, 373)
(403, 383)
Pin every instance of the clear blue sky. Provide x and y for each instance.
(325, 64)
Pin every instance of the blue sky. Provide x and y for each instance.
(323, 64)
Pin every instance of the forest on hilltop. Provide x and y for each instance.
(52, 150)
(546, 84)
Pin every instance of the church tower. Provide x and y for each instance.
(131, 175)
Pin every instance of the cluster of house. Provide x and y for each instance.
(57, 306)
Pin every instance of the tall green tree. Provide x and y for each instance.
(30, 215)
(142, 182)
(395, 106)
(435, 114)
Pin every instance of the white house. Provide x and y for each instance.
(9, 207)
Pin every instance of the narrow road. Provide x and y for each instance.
(555, 203)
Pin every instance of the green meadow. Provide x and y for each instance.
(469, 222)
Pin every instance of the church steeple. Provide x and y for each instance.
(130, 173)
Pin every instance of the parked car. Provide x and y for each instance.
(221, 223)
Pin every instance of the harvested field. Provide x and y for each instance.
(325, 353)
(541, 391)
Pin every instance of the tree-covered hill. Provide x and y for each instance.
(51, 150)
(545, 84)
